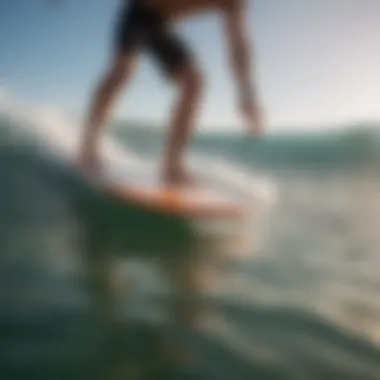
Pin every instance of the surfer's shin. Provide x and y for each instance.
(190, 86)
(105, 97)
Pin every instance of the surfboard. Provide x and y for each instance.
(146, 190)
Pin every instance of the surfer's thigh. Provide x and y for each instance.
(173, 56)
(140, 27)
(130, 32)
(170, 52)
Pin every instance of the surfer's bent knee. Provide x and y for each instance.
(191, 80)
(122, 67)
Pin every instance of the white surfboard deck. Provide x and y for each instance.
(144, 187)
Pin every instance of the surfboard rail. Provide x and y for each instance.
(175, 202)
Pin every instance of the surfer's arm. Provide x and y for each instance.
(241, 52)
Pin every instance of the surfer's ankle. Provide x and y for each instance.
(89, 159)
(177, 176)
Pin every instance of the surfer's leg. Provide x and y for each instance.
(178, 65)
(104, 99)
(129, 37)
(189, 82)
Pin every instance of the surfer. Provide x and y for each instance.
(148, 23)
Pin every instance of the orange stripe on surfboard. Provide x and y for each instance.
(174, 202)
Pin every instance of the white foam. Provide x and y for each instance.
(57, 133)
(235, 178)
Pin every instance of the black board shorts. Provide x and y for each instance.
(139, 26)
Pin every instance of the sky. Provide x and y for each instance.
(318, 61)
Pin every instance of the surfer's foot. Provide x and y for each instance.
(180, 177)
(89, 161)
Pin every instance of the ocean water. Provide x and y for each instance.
(305, 305)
